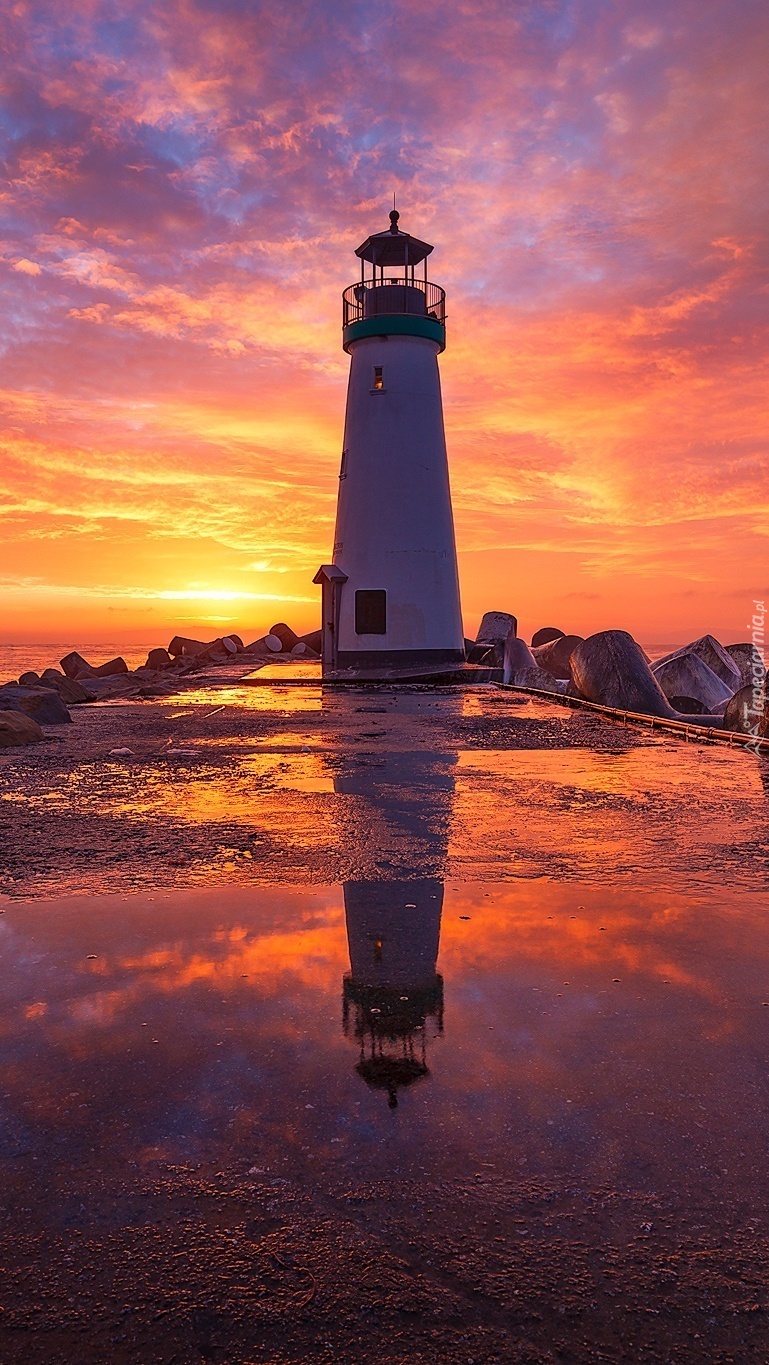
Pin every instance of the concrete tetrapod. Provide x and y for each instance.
(610, 668)
(554, 656)
(495, 628)
(545, 634)
(713, 654)
(521, 668)
(748, 713)
(688, 679)
(748, 659)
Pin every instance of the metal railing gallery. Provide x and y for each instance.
(390, 294)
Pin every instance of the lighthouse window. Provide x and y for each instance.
(378, 378)
(343, 468)
(371, 612)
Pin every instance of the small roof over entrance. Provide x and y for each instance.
(393, 247)
(330, 573)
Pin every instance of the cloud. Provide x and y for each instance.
(25, 267)
(187, 185)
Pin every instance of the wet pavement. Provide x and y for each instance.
(467, 1061)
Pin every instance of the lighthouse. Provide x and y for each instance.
(391, 592)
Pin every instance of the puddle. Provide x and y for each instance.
(384, 1026)
(286, 700)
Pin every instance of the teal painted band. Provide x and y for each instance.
(395, 324)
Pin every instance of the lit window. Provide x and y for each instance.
(378, 380)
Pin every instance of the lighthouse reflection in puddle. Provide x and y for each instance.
(392, 998)
(393, 995)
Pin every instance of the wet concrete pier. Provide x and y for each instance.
(392, 1026)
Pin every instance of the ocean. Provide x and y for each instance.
(17, 659)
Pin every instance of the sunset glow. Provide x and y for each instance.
(184, 188)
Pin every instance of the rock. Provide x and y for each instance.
(288, 638)
(545, 634)
(17, 728)
(555, 655)
(610, 668)
(115, 685)
(42, 703)
(72, 692)
(313, 640)
(228, 644)
(52, 677)
(273, 643)
(109, 669)
(495, 628)
(748, 659)
(158, 658)
(711, 653)
(75, 666)
(747, 713)
(690, 685)
(522, 670)
(29, 680)
(237, 640)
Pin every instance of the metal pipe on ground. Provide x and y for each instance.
(701, 734)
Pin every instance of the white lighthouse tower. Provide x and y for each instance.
(391, 594)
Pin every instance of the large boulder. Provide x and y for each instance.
(554, 656)
(17, 728)
(711, 653)
(496, 627)
(690, 685)
(545, 634)
(30, 679)
(521, 668)
(748, 712)
(610, 668)
(748, 659)
(288, 638)
(41, 703)
(72, 692)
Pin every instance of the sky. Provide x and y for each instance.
(184, 184)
